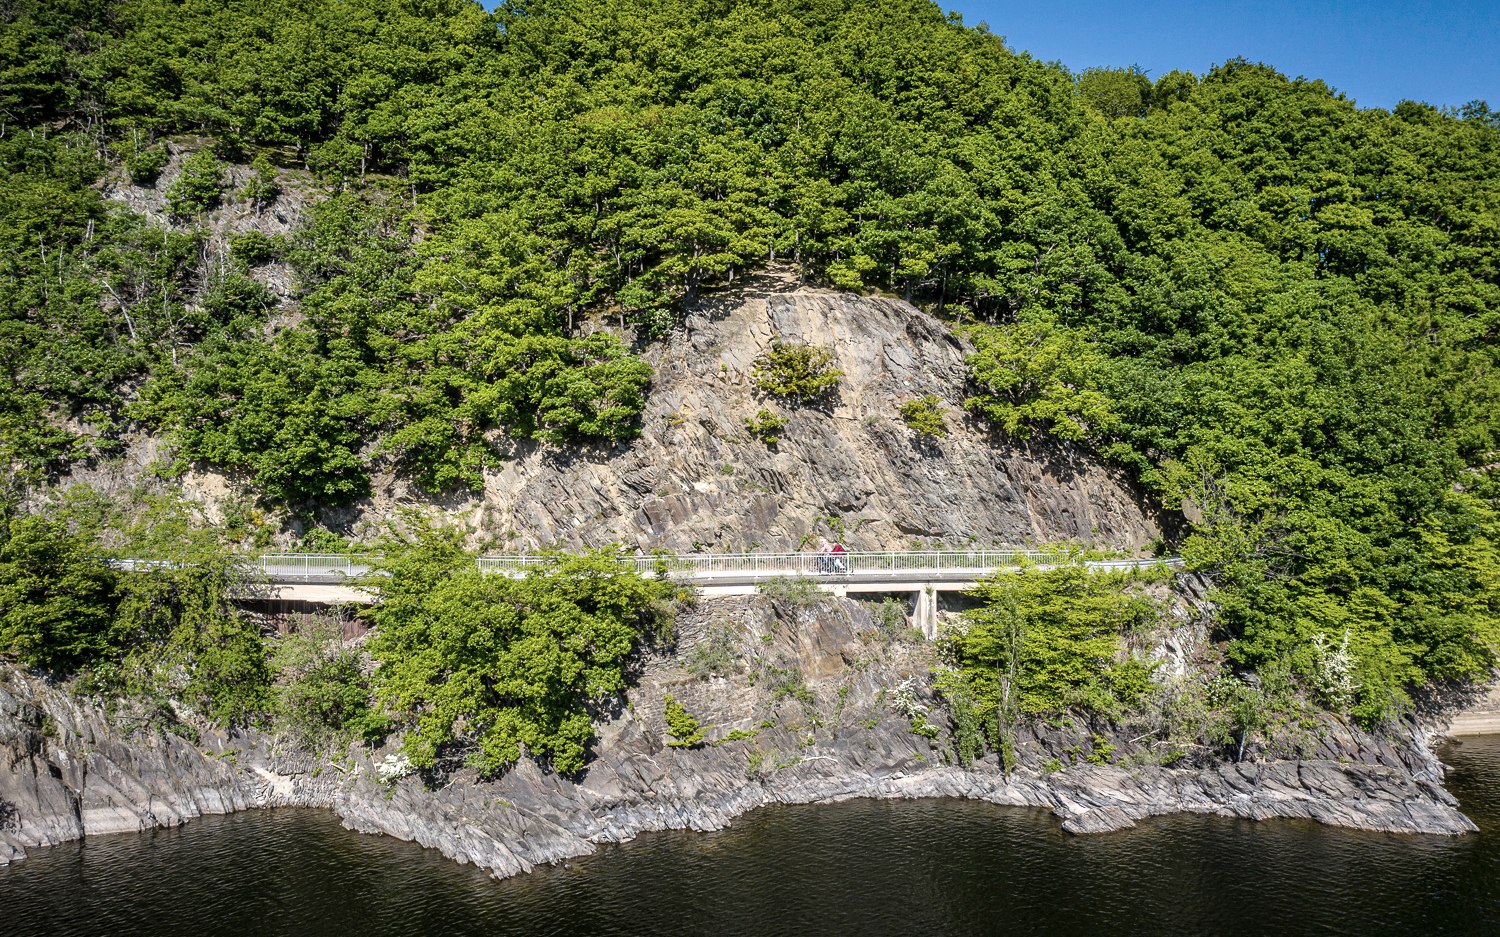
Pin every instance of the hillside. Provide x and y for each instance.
(421, 278)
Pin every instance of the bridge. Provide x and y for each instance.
(337, 579)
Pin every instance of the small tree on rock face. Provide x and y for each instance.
(684, 726)
(1038, 376)
(795, 371)
(766, 426)
(261, 189)
(197, 188)
(144, 161)
(924, 416)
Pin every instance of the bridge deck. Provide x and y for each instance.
(731, 568)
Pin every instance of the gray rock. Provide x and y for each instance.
(66, 770)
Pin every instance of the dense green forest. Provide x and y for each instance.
(1276, 309)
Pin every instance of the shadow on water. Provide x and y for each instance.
(864, 867)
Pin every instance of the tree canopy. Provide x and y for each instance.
(1275, 308)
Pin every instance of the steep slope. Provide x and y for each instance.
(697, 477)
(806, 703)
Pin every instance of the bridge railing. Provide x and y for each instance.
(316, 567)
(309, 566)
(704, 567)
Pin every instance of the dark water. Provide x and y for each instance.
(922, 867)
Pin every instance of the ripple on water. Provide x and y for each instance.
(863, 867)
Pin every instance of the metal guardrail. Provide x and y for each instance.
(317, 567)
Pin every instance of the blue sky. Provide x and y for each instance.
(1378, 52)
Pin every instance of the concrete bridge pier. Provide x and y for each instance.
(924, 612)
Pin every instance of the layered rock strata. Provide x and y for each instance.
(806, 711)
(698, 477)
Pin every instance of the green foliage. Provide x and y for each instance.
(796, 591)
(715, 653)
(198, 186)
(786, 682)
(494, 666)
(796, 372)
(681, 724)
(567, 390)
(1101, 751)
(166, 629)
(143, 162)
(1038, 375)
(966, 715)
(57, 596)
(924, 416)
(1115, 92)
(262, 187)
(322, 696)
(766, 426)
(253, 248)
(1265, 302)
(1041, 642)
(183, 638)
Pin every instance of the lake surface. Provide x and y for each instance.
(864, 867)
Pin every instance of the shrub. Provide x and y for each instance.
(197, 188)
(144, 163)
(253, 248)
(487, 666)
(714, 654)
(683, 726)
(565, 390)
(798, 591)
(795, 371)
(1038, 375)
(924, 416)
(766, 426)
(57, 596)
(261, 188)
(787, 683)
(233, 296)
(892, 621)
(323, 696)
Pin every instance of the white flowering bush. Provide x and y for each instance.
(1333, 671)
(393, 768)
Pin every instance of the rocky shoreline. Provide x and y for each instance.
(69, 769)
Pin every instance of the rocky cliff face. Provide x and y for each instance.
(806, 703)
(696, 476)
(69, 769)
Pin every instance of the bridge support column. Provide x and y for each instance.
(924, 615)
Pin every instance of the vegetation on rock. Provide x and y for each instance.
(485, 668)
(924, 416)
(1042, 642)
(683, 726)
(766, 426)
(1275, 309)
(796, 372)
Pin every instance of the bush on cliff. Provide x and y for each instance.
(682, 725)
(1041, 643)
(167, 629)
(323, 695)
(488, 667)
(57, 596)
(795, 371)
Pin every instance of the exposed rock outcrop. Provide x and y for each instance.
(68, 770)
(812, 700)
(698, 477)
